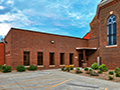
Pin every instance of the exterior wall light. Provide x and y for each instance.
(52, 42)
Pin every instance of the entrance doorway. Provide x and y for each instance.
(80, 60)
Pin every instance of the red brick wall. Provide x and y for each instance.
(22, 40)
(93, 41)
(2, 54)
(110, 55)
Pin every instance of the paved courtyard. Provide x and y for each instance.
(53, 79)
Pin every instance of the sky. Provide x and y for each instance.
(62, 17)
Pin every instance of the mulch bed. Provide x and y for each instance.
(104, 75)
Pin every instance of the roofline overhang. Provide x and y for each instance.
(86, 48)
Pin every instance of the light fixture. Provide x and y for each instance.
(52, 42)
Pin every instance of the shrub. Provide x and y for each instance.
(117, 69)
(32, 68)
(71, 67)
(100, 72)
(20, 68)
(68, 69)
(63, 68)
(111, 72)
(103, 68)
(118, 74)
(0, 66)
(78, 71)
(94, 74)
(6, 69)
(90, 69)
(86, 69)
(111, 78)
(94, 66)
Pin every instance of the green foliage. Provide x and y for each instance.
(63, 68)
(111, 78)
(86, 69)
(6, 69)
(111, 72)
(100, 72)
(90, 69)
(0, 66)
(118, 74)
(94, 66)
(68, 69)
(94, 74)
(117, 69)
(103, 68)
(78, 69)
(32, 68)
(20, 68)
(71, 68)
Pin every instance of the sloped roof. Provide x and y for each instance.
(87, 36)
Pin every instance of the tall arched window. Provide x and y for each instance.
(111, 30)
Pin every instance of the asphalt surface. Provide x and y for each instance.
(53, 79)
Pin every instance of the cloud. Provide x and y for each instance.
(4, 28)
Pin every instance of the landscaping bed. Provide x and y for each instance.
(104, 75)
(100, 72)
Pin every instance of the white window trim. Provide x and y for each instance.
(112, 46)
(51, 65)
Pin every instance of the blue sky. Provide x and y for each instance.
(62, 17)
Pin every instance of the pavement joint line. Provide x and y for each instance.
(27, 87)
(58, 84)
(26, 80)
(83, 85)
(40, 82)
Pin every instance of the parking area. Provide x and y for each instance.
(53, 79)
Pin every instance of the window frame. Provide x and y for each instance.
(111, 31)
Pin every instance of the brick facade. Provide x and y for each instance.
(2, 55)
(19, 41)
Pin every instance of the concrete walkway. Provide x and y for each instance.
(53, 79)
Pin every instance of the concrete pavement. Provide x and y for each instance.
(53, 79)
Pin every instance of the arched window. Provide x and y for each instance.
(111, 30)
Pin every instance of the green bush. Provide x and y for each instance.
(103, 68)
(71, 68)
(117, 69)
(118, 74)
(100, 72)
(20, 68)
(90, 69)
(6, 69)
(78, 71)
(63, 68)
(86, 69)
(77, 68)
(94, 66)
(67, 69)
(0, 66)
(111, 72)
(111, 78)
(32, 68)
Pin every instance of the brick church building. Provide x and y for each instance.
(101, 44)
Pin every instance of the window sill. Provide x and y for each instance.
(111, 46)
(27, 66)
(40, 66)
(52, 66)
(62, 65)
